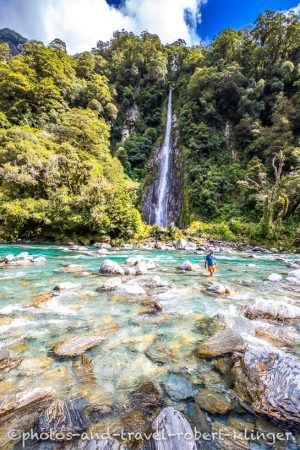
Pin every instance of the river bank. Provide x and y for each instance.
(117, 335)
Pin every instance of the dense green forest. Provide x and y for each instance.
(77, 132)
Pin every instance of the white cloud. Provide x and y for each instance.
(296, 9)
(81, 23)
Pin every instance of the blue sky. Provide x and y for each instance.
(81, 23)
(220, 14)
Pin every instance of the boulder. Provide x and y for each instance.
(40, 259)
(159, 245)
(111, 267)
(60, 417)
(293, 280)
(278, 336)
(78, 248)
(72, 268)
(131, 289)
(103, 251)
(111, 284)
(8, 258)
(272, 310)
(77, 345)
(294, 274)
(29, 401)
(226, 341)
(186, 265)
(157, 282)
(133, 260)
(140, 268)
(150, 265)
(274, 277)
(181, 244)
(268, 381)
(213, 402)
(103, 245)
(129, 270)
(220, 289)
(172, 431)
(177, 387)
(66, 286)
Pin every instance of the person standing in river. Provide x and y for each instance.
(210, 262)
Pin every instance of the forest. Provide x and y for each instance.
(77, 133)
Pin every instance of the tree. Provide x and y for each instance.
(270, 192)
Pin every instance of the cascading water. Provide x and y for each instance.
(161, 210)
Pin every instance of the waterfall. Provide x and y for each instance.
(161, 209)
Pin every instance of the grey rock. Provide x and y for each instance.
(111, 267)
(60, 417)
(171, 430)
(177, 387)
(268, 380)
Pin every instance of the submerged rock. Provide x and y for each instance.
(72, 268)
(213, 402)
(228, 438)
(161, 353)
(146, 398)
(111, 267)
(26, 402)
(273, 310)
(111, 284)
(172, 431)
(226, 341)
(75, 346)
(131, 289)
(60, 417)
(268, 381)
(66, 286)
(8, 362)
(177, 387)
(39, 300)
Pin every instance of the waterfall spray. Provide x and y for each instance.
(161, 210)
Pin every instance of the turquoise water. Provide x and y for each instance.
(120, 363)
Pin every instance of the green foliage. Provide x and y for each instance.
(237, 102)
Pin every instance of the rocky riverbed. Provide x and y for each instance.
(131, 342)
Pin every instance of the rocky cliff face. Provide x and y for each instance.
(150, 197)
(129, 122)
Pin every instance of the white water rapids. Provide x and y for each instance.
(161, 210)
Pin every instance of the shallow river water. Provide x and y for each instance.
(119, 365)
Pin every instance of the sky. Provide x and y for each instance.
(81, 23)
